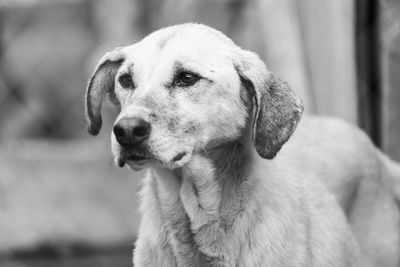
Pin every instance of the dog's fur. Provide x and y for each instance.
(364, 181)
(217, 193)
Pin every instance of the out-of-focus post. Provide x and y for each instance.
(390, 79)
(283, 49)
(327, 28)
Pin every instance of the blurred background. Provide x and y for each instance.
(62, 202)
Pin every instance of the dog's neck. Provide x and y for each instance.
(199, 195)
(227, 162)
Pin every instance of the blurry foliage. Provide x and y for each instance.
(61, 203)
(42, 68)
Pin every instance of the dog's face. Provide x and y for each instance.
(183, 90)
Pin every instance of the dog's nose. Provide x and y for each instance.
(131, 131)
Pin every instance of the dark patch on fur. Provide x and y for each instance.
(104, 77)
(149, 102)
(173, 125)
(277, 119)
(246, 96)
(228, 159)
(276, 109)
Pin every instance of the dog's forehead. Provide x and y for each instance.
(192, 34)
(187, 43)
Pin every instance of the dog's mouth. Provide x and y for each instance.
(179, 156)
(135, 157)
(139, 158)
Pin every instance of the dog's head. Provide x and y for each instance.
(187, 88)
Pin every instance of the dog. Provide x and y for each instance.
(207, 119)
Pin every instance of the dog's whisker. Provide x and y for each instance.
(184, 131)
(189, 128)
(205, 152)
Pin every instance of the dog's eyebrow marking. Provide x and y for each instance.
(129, 71)
(178, 67)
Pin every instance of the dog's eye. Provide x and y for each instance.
(125, 80)
(185, 79)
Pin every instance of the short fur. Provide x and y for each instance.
(230, 200)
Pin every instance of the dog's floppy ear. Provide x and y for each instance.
(276, 109)
(100, 84)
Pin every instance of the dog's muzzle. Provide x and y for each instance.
(131, 134)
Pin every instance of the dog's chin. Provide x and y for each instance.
(178, 160)
(139, 161)
(135, 159)
(138, 165)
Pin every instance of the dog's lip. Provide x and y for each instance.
(179, 156)
(138, 157)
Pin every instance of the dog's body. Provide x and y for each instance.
(231, 208)
(202, 114)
